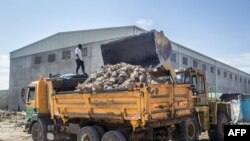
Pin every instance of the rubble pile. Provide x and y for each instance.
(115, 76)
(17, 118)
(12, 125)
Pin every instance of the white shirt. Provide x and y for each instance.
(79, 53)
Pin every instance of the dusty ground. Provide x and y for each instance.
(12, 126)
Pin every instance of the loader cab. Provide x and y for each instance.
(196, 78)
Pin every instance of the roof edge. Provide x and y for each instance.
(208, 57)
(65, 32)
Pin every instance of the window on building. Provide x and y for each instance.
(231, 76)
(51, 57)
(204, 67)
(245, 81)
(212, 69)
(236, 78)
(85, 51)
(240, 79)
(218, 71)
(195, 64)
(248, 82)
(184, 60)
(173, 57)
(225, 74)
(66, 54)
(37, 60)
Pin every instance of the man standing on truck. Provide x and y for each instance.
(79, 60)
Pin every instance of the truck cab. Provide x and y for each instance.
(140, 110)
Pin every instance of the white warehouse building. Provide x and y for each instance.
(55, 54)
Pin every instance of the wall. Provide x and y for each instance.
(65, 39)
(3, 98)
(23, 70)
(234, 80)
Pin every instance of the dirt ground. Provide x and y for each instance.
(12, 126)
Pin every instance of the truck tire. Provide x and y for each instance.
(188, 130)
(218, 132)
(113, 136)
(88, 133)
(100, 130)
(37, 132)
(73, 137)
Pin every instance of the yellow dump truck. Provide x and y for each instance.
(140, 112)
(130, 114)
(177, 108)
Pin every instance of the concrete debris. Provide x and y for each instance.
(12, 126)
(115, 76)
(18, 118)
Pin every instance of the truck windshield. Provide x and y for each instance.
(183, 78)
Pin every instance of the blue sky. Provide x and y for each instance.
(217, 28)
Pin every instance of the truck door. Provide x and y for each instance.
(31, 102)
(198, 83)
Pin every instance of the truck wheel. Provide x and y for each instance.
(113, 136)
(73, 137)
(188, 130)
(39, 129)
(100, 130)
(37, 132)
(88, 133)
(218, 133)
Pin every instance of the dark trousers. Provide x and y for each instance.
(79, 63)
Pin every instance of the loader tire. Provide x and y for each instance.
(212, 135)
(188, 130)
(113, 136)
(88, 133)
(222, 120)
(218, 133)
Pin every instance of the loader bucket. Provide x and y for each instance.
(148, 49)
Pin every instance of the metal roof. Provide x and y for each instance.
(72, 38)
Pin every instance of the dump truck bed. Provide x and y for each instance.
(140, 106)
